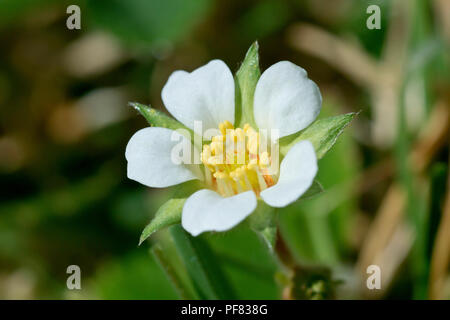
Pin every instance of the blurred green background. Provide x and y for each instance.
(64, 124)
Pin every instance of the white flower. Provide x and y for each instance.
(285, 100)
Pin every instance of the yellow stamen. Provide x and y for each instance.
(232, 163)
(224, 126)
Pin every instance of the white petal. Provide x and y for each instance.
(149, 156)
(285, 99)
(206, 210)
(206, 94)
(297, 172)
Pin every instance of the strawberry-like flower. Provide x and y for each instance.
(235, 169)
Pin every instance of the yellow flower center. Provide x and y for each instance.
(234, 163)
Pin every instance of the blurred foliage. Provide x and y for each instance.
(64, 125)
(147, 23)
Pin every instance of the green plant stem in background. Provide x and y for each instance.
(183, 290)
(322, 238)
(414, 207)
(416, 202)
(202, 265)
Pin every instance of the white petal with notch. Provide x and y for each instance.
(297, 172)
(286, 99)
(206, 94)
(149, 156)
(206, 210)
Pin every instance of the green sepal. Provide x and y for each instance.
(323, 134)
(168, 214)
(313, 190)
(157, 118)
(245, 84)
(263, 222)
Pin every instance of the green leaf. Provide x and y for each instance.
(167, 215)
(263, 222)
(323, 134)
(202, 265)
(245, 81)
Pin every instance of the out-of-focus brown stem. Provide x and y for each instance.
(432, 137)
(347, 57)
(382, 77)
(390, 213)
(287, 261)
(305, 282)
(283, 252)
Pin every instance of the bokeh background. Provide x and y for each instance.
(64, 124)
